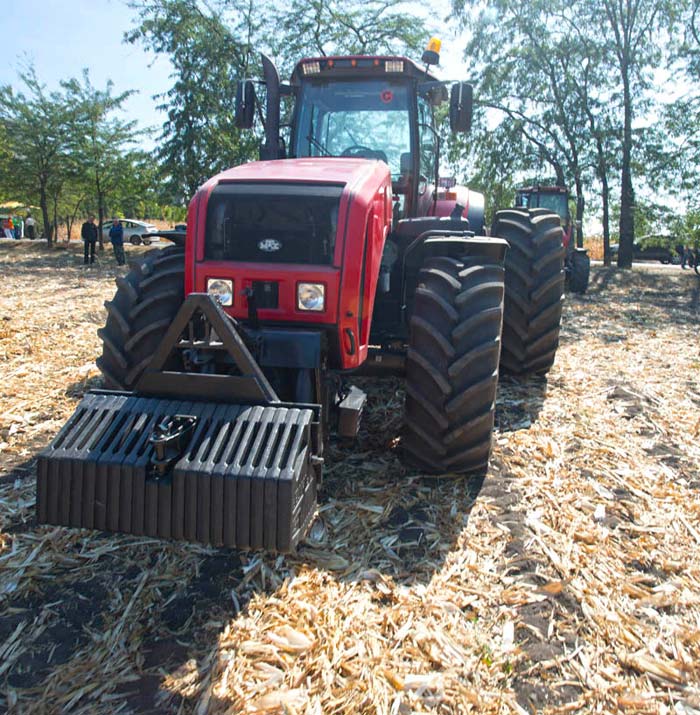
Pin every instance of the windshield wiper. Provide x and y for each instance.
(318, 145)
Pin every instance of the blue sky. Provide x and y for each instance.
(61, 37)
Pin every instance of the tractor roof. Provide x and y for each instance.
(359, 66)
(540, 189)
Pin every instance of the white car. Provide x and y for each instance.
(132, 230)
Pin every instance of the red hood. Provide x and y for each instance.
(326, 170)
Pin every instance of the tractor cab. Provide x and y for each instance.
(554, 198)
(369, 107)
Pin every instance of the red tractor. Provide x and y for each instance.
(227, 356)
(577, 264)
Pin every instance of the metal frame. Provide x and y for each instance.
(220, 334)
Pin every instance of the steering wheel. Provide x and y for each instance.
(360, 151)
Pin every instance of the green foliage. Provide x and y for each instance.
(569, 78)
(565, 94)
(329, 27)
(655, 223)
(207, 53)
(35, 124)
(675, 160)
(68, 152)
(99, 139)
(686, 228)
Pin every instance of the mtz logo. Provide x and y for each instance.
(269, 245)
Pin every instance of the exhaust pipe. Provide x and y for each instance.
(271, 148)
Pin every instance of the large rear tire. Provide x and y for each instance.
(146, 301)
(452, 365)
(579, 271)
(534, 283)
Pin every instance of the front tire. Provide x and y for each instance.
(452, 365)
(534, 283)
(147, 299)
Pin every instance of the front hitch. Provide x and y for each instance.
(169, 438)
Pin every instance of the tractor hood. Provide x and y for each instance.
(272, 226)
(326, 170)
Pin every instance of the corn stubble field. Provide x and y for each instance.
(569, 581)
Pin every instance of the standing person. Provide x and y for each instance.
(89, 235)
(686, 257)
(116, 236)
(8, 227)
(30, 225)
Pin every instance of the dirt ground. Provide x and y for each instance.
(568, 581)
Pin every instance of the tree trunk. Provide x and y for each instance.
(55, 220)
(607, 258)
(70, 220)
(44, 203)
(580, 206)
(624, 257)
(559, 170)
(100, 209)
(101, 218)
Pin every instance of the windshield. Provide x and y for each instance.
(544, 200)
(357, 118)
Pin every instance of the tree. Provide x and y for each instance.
(562, 69)
(324, 27)
(36, 125)
(199, 137)
(5, 159)
(592, 91)
(633, 28)
(675, 155)
(534, 75)
(211, 45)
(98, 138)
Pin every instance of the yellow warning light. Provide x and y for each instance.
(431, 55)
(434, 45)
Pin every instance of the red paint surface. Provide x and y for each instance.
(364, 220)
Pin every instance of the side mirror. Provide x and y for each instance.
(461, 98)
(245, 104)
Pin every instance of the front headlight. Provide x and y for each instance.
(311, 296)
(221, 289)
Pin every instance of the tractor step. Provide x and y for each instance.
(238, 476)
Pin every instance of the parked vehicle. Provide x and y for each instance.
(133, 229)
(644, 249)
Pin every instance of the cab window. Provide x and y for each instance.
(428, 144)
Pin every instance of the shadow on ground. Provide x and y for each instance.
(397, 518)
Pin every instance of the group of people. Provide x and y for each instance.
(17, 228)
(89, 235)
